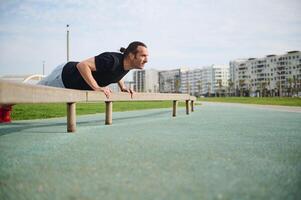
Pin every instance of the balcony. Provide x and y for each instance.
(260, 66)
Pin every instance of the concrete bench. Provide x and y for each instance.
(18, 93)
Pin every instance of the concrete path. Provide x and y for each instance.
(220, 151)
(295, 109)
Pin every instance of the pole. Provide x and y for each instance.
(67, 42)
(43, 67)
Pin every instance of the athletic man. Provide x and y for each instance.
(98, 72)
(95, 73)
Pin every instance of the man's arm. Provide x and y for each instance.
(123, 88)
(85, 69)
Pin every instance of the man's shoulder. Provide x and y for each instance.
(111, 54)
(112, 59)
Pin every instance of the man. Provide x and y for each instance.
(98, 72)
(94, 73)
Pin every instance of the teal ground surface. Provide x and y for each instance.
(217, 152)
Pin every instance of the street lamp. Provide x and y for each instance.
(43, 67)
(67, 42)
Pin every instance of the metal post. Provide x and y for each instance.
(67, 42)
(43, 67)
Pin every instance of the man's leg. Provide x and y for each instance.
(54, 79)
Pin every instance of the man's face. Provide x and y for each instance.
(140, 58)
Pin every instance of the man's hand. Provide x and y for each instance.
(128, 91)
(106, 90)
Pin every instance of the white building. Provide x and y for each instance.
(221, 78)
(211, 80)
(169, 81)
(146, 80)
(191, 81)
(273, 75)
(214, 80)
(238, 71)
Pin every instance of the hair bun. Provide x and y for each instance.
(122, 49)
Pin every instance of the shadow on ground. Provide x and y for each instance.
(45, 125)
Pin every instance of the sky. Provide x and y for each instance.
(178, 33)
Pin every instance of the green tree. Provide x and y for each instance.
(209, 88)
(230, 84)
(241, 85)
(220, 85)
(177, 85)
(290, 86)
(199, 87)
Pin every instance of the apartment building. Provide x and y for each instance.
(199, 81)
(214, 80)
(191, 81)
(221, 78)
(273, 75)
(170, 81)
(146, 80)
(208, 81)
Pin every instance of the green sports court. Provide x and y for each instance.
(219, 151)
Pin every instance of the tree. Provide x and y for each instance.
(290, 88)
(231, 84)
(219, 82)
(279, 84)
(295, 89)
(177, 85)
(263, 86)
(209, 88)
(188, 88)
(241, 84)
(199, 86)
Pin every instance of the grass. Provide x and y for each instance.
(283, 101)
(42, 111)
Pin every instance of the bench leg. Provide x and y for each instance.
(109, 108)
(192, 106)
(174, 108)
(71, 117)
(187, 107)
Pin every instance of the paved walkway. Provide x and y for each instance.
(295, 109)
(221, 151)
